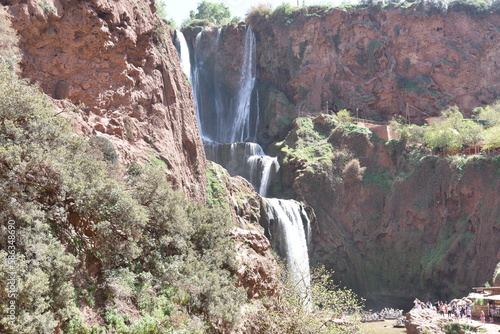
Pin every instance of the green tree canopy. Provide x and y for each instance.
(216, 13)
(454, 132)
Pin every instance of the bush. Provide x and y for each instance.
(458, 328)
(9, 52)
(260, 10)
(285, 13)
(106, 147)
(314, 312)
(155, 250)
(453, 133)
(344, 116)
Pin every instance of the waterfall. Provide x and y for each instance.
(183, 50)
(228, 121)
(262, 168)
(286, 219)
(247, 160)
(226, 115)
(241, 125)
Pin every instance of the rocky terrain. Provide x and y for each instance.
(112, 70)
(117, 62)
(403, 223)
(379, 63)
(392, 221)
(384, 62)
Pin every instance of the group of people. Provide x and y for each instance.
(386, 313)
(454, 310)
(457, 309)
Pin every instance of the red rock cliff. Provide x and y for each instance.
(384, 62)
(399, 224)
(117, 59)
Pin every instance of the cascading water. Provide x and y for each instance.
(183, 50)
(226, 115)
(286, 219)
(247, 160)
(241, 125)
(228, 122)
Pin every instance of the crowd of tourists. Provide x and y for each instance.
(457, 309)
(386, 313)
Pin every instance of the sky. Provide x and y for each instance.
(178, 10)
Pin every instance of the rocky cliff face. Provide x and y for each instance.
(392, 221)
(379, 63)
(258, 271)
(117, 62)
(382, 62)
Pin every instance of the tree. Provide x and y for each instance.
(492, 138)
(489, 115)
(453, 133)
(216, 13)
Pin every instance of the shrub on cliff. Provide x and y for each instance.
(496, 276)
(453, 133)
(9, 52)
(285, 14)
(143, 248)
(257, 12)
(326, 308)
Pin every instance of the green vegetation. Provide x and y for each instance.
(213, 13)
(287, 14)
(47, 7)
(490, 117)
(216, 194)
(381, 178)
(344, 116)
(290, 314)
(311, 144)
(121, 243)
(167, 258)
(9, 52)
(453, 133)
(458, 328)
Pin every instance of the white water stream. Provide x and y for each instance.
(227, 126)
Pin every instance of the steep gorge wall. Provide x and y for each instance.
(117, 60)
(404, 225)
(382, 62)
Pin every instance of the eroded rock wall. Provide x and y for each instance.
(378, 63)
(258, 271)
(117, 61)
(404, 224)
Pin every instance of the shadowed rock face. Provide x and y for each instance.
(116, 58)
(383, 62)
